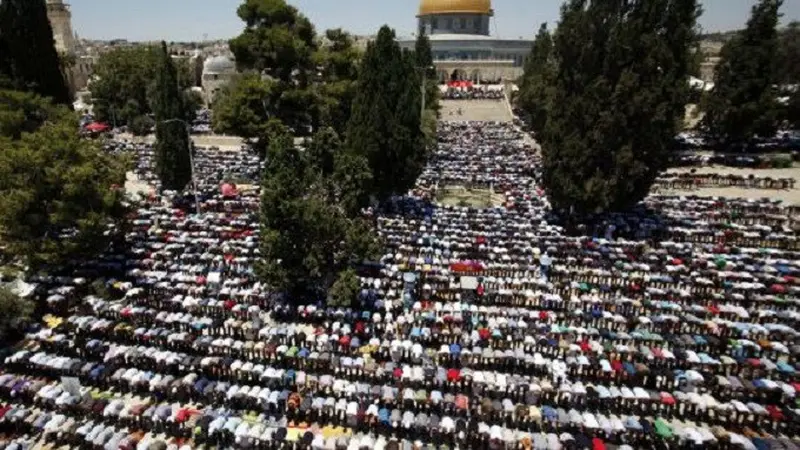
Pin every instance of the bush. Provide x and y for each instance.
(141, 126)
(781, 162)
(16, 312)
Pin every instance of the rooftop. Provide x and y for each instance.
(465, 37)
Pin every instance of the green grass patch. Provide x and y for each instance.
(475, 198)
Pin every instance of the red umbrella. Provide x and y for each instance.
(229, 190)
(97, 127)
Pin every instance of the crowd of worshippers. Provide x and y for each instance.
(697, 180)
(473, 93)
(749, 161)
(212, 165)
(673, 326)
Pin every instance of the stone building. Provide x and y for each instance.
(217, 72)
(82, 66)
(61, 21)
(462, 43)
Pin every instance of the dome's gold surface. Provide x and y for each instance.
(427, 7)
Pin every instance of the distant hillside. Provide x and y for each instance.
(719, 37)
(724, 36)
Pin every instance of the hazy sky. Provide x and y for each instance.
(191, 20)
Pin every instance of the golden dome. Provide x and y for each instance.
(428, 7)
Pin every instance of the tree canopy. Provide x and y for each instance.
(742, 104)
(787, 61)
(173, 163)
(303, 80)
(337, 61)
(794, 110)
(244, 106)
(423, 59)
(28, 57)
(385, 125)
(277, 40)
(58, 192)
(533, 95)
(309, 243)
(618, 95)
(124, 87)
(16, 313)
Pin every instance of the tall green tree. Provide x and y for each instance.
(743, 103)
(279, 42)
(311, 78)
(322, 151)
(31, 62)
(385, 125)
(533, 96)
(793, 109)
(124, 86)
(336, 59)
(173, 161)
(244, 106)
(424, 61)
(59, 193)
(618, 97)
(787, 62)
(308, 241)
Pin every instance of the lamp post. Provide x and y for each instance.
(191, 159)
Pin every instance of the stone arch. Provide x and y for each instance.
(458, 75)
(475, 77)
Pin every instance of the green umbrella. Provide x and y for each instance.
(662, 429)
(721, 263)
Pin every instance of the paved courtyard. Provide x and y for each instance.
(476, 110)
(791, 196)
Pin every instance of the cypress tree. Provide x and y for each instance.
(30, 61)
(618, 95)
(423, 56)
(743, 103)
(173, 164)
(787, 62)
(533, 93)
(384, 126)
(793, 109)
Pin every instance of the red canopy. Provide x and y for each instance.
(97, 127)
(460, 84)
(466, 266)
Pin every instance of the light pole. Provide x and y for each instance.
(191, 159)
